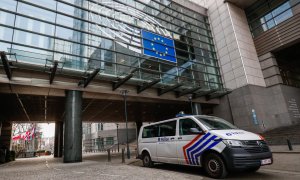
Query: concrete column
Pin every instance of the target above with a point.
(5, 135)
(58, 139)
(73, 127)
(270, 69)
(197, 108)
(138, 127)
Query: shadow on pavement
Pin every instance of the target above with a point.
(200, 171)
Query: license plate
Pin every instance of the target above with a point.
(266, 161)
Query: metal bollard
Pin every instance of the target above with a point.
(108, 155)
(289, 144)
(123, 155)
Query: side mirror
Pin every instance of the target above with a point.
(195, 131)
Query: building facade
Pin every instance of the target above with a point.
(257, 44)
(85, 35)
(102, 136)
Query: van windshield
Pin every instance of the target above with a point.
(215, 123)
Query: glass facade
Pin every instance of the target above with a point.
(265, 14)
(87, 34)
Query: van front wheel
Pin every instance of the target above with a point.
(215, 166)
(147, 162)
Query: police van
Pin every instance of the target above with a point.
(206, 141)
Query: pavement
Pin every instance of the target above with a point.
(95, 166)
(285, 149)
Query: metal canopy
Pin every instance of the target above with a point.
(147, 85)
(6, 64)
(53, 71)
(189, 91)
(218, 94)
(85, 82)
(171, 88)
(120, 82)
(204, 93)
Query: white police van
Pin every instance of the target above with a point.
(205, 141)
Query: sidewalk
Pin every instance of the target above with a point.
(289, 162)
(285, 149)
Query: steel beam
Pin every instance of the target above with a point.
(216, 95)
(171, 88)
(53, 71)
(120, 82)
(6, 65)
(89, 78)
(204, 93)
(189, 91)
(147, 85)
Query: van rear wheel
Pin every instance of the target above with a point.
(215, 166)
(147, 162)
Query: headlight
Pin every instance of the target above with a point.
(233, 143)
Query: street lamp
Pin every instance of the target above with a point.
(118, 136)
(124, 93)
(190, 97)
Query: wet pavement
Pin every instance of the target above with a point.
(95, 166)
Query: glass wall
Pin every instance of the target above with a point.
(87, 34)
(265, 14)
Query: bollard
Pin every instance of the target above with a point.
(108, 155)
(289, 144)
(123, 155)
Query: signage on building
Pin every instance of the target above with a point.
(155, 42)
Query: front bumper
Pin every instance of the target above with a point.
(240, 158)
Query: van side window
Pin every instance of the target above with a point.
(150, 131)
(167, 129)
(185, 125)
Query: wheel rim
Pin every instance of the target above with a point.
(213, 165)
(146, 160)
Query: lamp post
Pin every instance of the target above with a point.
(118, 136)
(124, 93)
(190, 97)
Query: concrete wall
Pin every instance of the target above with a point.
(234, 45)
(223, 110)
(274, 107)
(270, 69)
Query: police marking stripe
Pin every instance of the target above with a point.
(197, 146)
(197, 155)
(187, 145)
(189, 149)
(201, 147)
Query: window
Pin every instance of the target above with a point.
(215, 123)
(167, 129)
(150, 131)
(109, 140)
(185, 125)
(100, 127)
(267, 15)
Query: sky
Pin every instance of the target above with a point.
(48, 129)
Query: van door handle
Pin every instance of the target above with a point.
(172, 138)
(179, 137)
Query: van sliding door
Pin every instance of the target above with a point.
(166, 142)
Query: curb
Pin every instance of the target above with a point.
(286, 152)
(131, 162)
(6, 164)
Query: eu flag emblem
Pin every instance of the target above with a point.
(158, 46)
